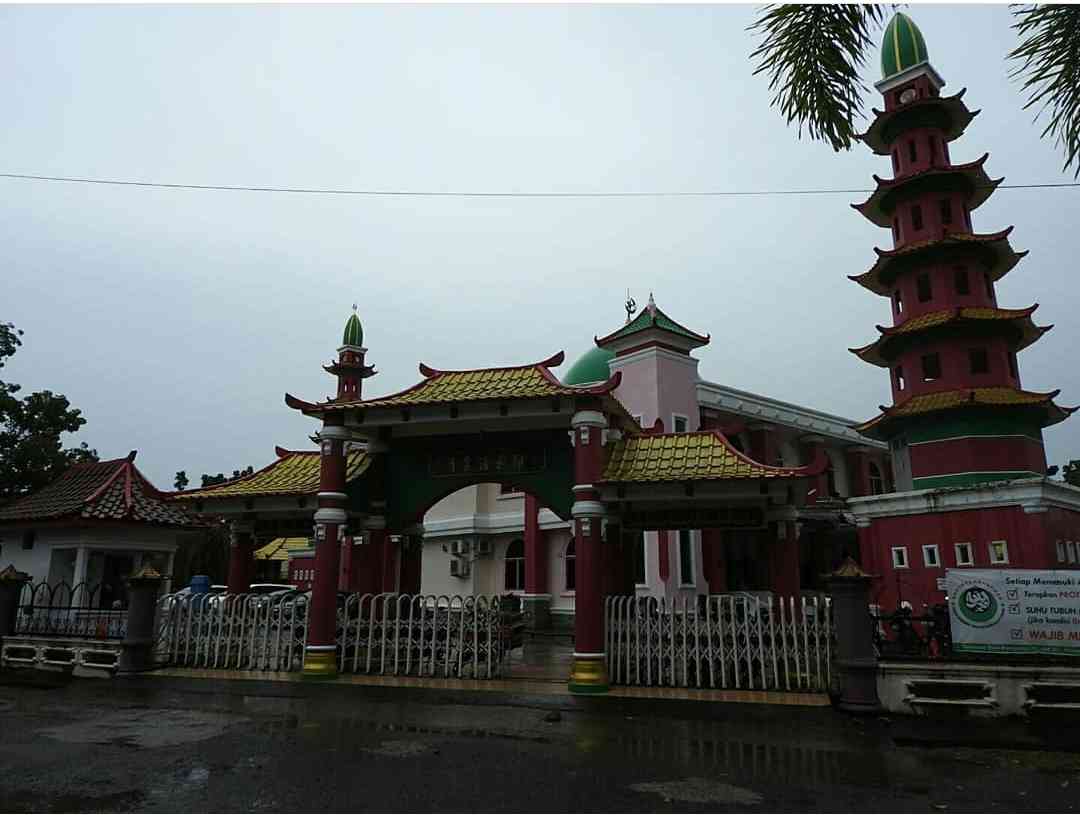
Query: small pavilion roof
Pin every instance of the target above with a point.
(534, 381)
(294, 472)
(996, 397)
(704, 455)
(279, 548)
(993, 250)
(112, 490)
(1019, 320)
(948, 114)
(652, 317)
(879, 206)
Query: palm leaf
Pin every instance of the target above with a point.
(812, 56)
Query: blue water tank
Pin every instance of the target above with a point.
(200, 584)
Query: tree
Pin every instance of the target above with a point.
(812, 56)
(181, 480)
(221, 478)
(1071, 472)
(31, 452)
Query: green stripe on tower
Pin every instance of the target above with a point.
(935, 482)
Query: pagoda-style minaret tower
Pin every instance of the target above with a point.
(959, 415)
(350, 369)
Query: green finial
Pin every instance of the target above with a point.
(354, 332)
(902, 47)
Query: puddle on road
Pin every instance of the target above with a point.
(699, 791)
(145, 728)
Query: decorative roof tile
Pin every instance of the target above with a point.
(103, 490)
(653, 317)
(701, 456)
(280, 548)
(992, 251)
(948, 114)
(294, 473)
(964, 398)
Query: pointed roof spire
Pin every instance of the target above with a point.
(651, 307)
(354, 332)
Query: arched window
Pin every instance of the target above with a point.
(571, 577)
(877, 483)
(515, 566)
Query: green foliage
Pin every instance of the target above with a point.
(181, 480)
(1071, 472)
(1049, 63)
(221, 478)
(812, 55)
(31, 452)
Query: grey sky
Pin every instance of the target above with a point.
(176, 320)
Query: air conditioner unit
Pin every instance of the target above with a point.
(483, 548)
(459, 568)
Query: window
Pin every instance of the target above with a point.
(980, 362)
(931, 367)
(896, 229)
(899, 557)
(28, 539)
(960, 278)
(916, 217)
(877, 483)
(1012, 365)
(999, 552)
(515, 566)
(1070, 549)
(895, 163)
(967, 217)
(686, 558)
(922, 287)
(898, 301)
(946, 211)
(1061, 551)
(639, 560)
(678, 423)
(913, 153)
(571, 577)
(963, 555)
(899, 377)
(930, 557)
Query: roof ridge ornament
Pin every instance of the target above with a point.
(651, 306)
(631, 307)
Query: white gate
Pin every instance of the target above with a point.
(400, 634)
(720, 641)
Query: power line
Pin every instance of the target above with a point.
(482, 194)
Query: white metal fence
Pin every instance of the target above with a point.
(720, 641)
(411, 635)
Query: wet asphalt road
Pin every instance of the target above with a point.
(169, 745)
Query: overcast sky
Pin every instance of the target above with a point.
(176, 320)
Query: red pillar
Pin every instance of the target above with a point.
(536, 603)
(784, 560)
(240, 563)
(588, 674)
(365, 567)
(411, 563)
(388, 564)
(346, 565)
(713, 563)
(320, 655)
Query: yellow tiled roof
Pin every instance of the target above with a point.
(279, 548)
(464, 386)
(704, 455)
(991, 397)
(294, 473)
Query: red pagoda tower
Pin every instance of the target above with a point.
(960, 423)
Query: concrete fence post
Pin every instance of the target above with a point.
(11, 587)
(855, 658)
(138, 644)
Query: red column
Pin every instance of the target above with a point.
(320, 655)
(663, 556)
(713, 563)
(784, 560)
(346, 565)
(388, 564)
(366, 563)
(240, 566)
(820, 483)
(588, 674)
(536, 577)
(411, 563)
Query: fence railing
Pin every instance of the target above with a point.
(901, 634)
(62, 610)
(409, 635)
(721, 641)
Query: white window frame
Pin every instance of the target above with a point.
(1059, 546)
(958, 548)
(565, 591)
(644, 562)
(994, 561)
(896, 562)
(1070, 550)
(931, 547)
(693, 559)
(686, 419)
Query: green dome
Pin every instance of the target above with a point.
(354, 333)
(903, 46)
(592, 366)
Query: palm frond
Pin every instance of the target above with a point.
(812, 55)
(1049, 63)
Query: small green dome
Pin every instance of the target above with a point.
(354, 333)
(902, 47)
(592, 366)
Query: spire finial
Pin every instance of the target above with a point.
(354, 308)
(631, 306)
(651, 307)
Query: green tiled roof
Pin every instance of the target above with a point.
(354, 332)
(652, 317)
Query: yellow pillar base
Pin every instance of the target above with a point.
(588, 674)
(320, 664)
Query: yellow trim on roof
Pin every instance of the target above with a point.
(704, 455)
(464, 386)
(279, 548)
(293, 474)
